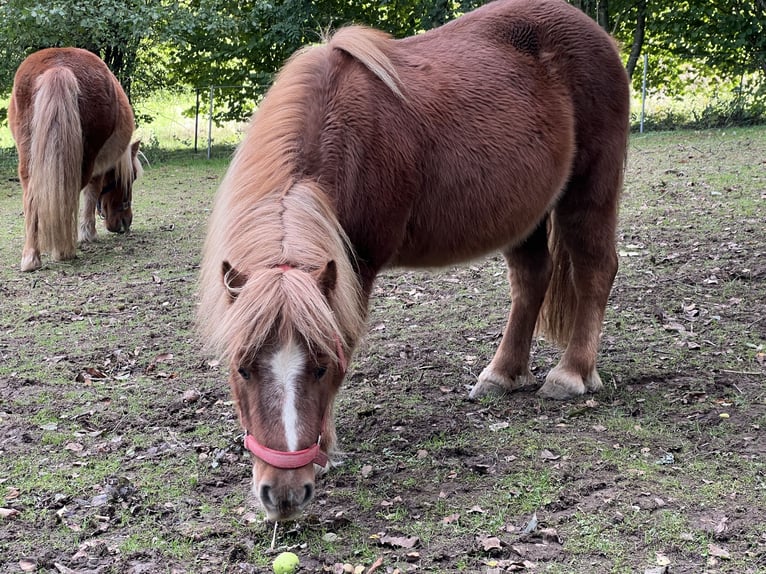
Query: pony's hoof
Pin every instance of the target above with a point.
(562, 385)
(30, 263)
(593, 382)
(491, 383)
(86, 236)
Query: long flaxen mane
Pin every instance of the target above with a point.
(267, 215)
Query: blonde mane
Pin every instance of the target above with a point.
(264, 216)
(126, 171)
(369, 47)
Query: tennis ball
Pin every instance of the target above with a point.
(286, 563)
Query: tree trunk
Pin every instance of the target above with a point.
(603, 14)
(638, 38)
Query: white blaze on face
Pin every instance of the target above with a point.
(286, 366)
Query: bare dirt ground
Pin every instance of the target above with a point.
(120, 451)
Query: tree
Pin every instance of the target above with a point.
(116, 30)
(243, 42)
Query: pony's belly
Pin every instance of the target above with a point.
(457, 239)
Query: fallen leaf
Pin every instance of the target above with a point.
(489, 543)
(9, 513)
(27, 566)
(662, 560)
(191, 396)
(375, 565)
(548, 455)
(452, 518)
(720, 528)
(718, 551)
(90, 373)
(400, 541)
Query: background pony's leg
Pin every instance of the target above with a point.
(529, 271)
(87, 226)
(585, 259)
(30, 255)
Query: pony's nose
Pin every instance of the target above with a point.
(285, 503)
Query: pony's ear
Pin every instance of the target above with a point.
(327, 278)
(233, 280)
(134, 148)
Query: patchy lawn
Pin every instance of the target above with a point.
(120, 451)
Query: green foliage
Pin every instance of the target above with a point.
(242, 43)
(116, 30)
(239, 44)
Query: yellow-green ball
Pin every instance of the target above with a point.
(286, 563)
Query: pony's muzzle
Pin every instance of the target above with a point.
(285, 497)
(120, 224)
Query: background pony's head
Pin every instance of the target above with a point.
(116, 196)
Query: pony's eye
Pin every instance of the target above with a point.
(319, 372)
(244, 373)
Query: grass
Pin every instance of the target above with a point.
(693, 208)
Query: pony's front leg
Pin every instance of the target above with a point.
(87, 229)
(529, 271)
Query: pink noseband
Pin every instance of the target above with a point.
(289, 460)
(286, 460)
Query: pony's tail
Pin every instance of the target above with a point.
(55, 164)
(557, 315)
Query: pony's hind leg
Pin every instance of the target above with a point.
(86, 231)
(529, 271)
(30, 255)
(586, 232)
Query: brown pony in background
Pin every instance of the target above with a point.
(72, 124)
(505, 129)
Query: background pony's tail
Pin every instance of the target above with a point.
(557, 315)
(55, 163)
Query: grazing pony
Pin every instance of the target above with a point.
(505, 129)
(72, 124)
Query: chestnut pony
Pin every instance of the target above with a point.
(505, 129)
(72, 124)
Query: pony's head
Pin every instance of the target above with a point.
(286, 367)
(116, 196)
(281, 301)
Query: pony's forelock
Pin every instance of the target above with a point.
(279, 305)
(263, 218)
